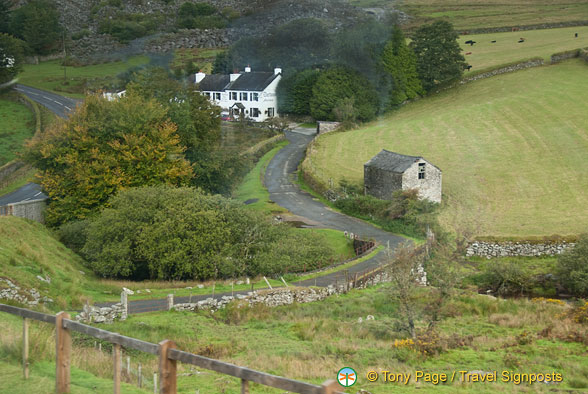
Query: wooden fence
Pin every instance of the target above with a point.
(165, 350)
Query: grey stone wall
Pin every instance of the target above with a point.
(503, 70)
(559, 57)
(326, 127)
(32, 210)
(30, 297)
(504, 249)
(380, 183)
(539, 26)
(430, 187)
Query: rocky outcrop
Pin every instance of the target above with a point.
(191, 38)
(504, 249)
(30, 297)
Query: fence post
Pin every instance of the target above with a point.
(155, 383)
(244, 386)
(25, 347)
(170, 301)
(117, 361)
(329, 387)
(167, 369)
(140, 376)
(62, 354)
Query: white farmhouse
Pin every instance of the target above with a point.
(249, 94)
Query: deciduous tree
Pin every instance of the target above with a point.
(105, 147)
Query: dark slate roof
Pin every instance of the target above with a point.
(252, 81)
(214, 83)
(392, 161)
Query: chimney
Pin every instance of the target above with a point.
(199, 77)
(247, 69)
(277, 70)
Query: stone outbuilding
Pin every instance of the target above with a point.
(388, 172)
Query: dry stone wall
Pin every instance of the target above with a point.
(503, 70)
(30, 297)
(527, 249)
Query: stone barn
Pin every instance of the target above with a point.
(388, 172)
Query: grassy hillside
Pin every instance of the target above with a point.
(28, 250)
(492, 13)
(313, 341)
(512, 149)
(507, 49)
(17, 123)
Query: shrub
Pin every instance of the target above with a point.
(80, 34)
(573, 267)
(127, 27)
(167, 233)
(506, 278)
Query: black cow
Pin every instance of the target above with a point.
(470, 42)
(493, 42)
(468, 67)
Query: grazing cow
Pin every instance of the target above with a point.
(468, 41)
(468, 67)
(468, 53)
(515, 29)
(576, 35)
(493, 42)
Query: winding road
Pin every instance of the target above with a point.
(279, 180)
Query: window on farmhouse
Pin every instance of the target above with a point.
(254, 96)
(254, 112)
(217, 96)
(421, 170)
(234, 96)
(207, 94)
(270, 112)
(243, 96)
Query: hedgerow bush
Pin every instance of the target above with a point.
(404, 213)
(573, 267)
(182, 233)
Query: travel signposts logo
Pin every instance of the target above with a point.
(346, 377)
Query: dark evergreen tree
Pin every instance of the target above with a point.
(37, 23)
(439, 58)
(400, 62)
(333, 89)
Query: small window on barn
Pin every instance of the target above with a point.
(421, 170)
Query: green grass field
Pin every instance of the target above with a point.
(50, 75)
(507, 49)
(492, 13)
(311, 342)
(512, 149)
(17, 123)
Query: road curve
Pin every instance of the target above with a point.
(279, 180)
(56, 103)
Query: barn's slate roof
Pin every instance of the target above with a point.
(214, 83)
(252, 81)
(392, 161)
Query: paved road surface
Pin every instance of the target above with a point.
(29, 192)
(279, 178)
(57, 104)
